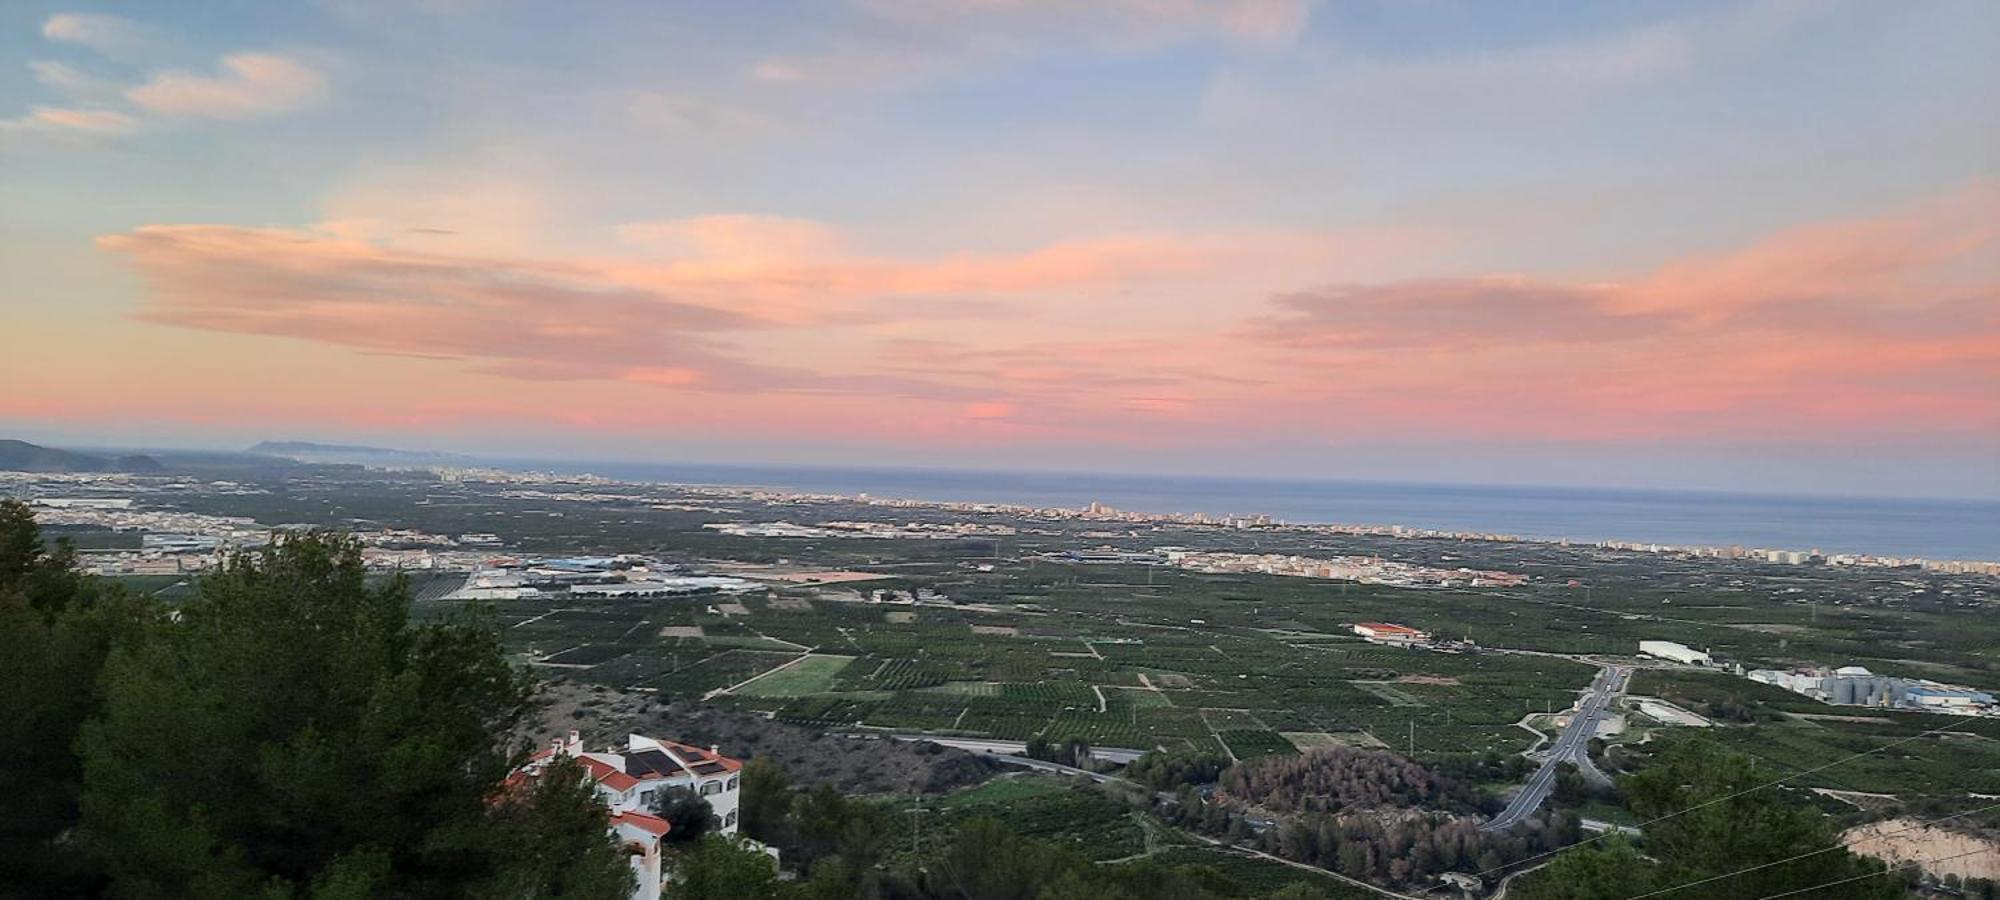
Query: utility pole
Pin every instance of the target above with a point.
(1413, 739)
(916, 828)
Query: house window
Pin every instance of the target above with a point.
(646, 797)
(729, 821)
(732, 782)
(712, 787)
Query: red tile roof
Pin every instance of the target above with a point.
(605, 774)
(651, 824)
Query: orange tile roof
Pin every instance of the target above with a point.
(604, 774)
(647, 823)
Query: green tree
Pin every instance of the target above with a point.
(725, 868)
(1613, 869)
(56, 629)
(767, 798)
(988, 861)
(291, 732)
(824, 823)
(556, 841)
(688, 815)
(1738, 825)
(1164, 770)
(1715, 818)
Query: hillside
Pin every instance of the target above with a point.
(308, 451)
(21, 456)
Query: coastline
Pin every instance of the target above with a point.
(1094, 511)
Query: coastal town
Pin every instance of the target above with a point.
(185, 540)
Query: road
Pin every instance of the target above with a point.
(1572, 746)
(997, 747)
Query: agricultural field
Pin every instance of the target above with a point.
(812, 674)
(1012, 644)
(1028, 652)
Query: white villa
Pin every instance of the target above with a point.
(630, 780)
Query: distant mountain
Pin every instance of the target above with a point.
(21, 456)
(308, 451)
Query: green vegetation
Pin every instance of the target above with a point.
(56, 629)
(1706, 820)
(1164, 771)
(1025, 836)
(1074, 655)
(286, 731)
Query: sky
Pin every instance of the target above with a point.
(1739, 246)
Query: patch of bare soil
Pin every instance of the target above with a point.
(852, 765)
(1898, 840)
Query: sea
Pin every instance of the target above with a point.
(1930, 528)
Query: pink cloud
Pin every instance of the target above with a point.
(56, 119)
(597, 318)
(98, 31)
(248, 85)
(1884, 326)
(1871, 329)
(1453, 312)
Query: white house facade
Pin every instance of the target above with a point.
(633, 779)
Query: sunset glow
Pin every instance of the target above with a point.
(1239, 237)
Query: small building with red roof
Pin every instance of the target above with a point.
(1389, 633)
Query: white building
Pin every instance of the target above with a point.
(1680, 653)
(1811, 684)
(1394, 635)
(632, 780)
(1941, 696)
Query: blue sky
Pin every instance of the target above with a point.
(1657, 244)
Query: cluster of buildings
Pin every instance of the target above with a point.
(1812, 557)
(174, 542)
(937, 531)
(1846, 685)
(1100, 512)
(1362, 569)
(591, 577)
(1856, 686)
(633, 781)
(170, 542)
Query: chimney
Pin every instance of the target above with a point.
(715, 749)
(575, 744)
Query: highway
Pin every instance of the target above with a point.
(1572, 746)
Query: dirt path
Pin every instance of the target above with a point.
(1304, 867)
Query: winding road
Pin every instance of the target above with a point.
(1572, 746)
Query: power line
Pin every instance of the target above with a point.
(1780, 862)
(1901, 865)
(1724, 799)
